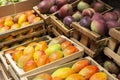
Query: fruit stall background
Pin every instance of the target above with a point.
(56, 36)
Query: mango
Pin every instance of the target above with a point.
(99, 76)
(63, 72)
(16, 55)
(8, 23)
(88, 12)
(88, 71)
(111, 67)
(99, 26)
(82, 5)
(22, 19)
(29, 50)
(65, 44)
(98, 6)
(75, 77)
(56, 78)
(43, 76)
(52, 49)
(80, 65)
(56, 55)
(23, 59)
(42, 45)
(29, 65)
(69, 50)
(77, 16)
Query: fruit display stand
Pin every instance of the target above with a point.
(113, 48)
(92, 62)
(67, 30)
(20, 73)
(91, 41)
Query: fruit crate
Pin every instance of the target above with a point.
(113, 48)
(67, 31)
(46, 15)
(43, 16)
(91, 41)
(4, 75)
(51, 70)
(54, 31)
(5, 62)
(12, 67)
(27, 31)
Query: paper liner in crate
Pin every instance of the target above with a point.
(21, 73)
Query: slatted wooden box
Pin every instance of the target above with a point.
(14, 69)
(28, 31)
(51, 70)
(67, 31)
(46, 17)
(113, 48)
(92, 42)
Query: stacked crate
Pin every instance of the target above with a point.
(113, 48)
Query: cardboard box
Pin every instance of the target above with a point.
(25, 5)
(7, 10)
(17, 7)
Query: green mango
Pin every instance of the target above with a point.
(51, 49)
(63, 72)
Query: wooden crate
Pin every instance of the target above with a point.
(51, 70)
(91, 41)
(5, 62)
(46, 16)
(43, 16)
(4, 75)
(113, 48)
(53, 30)
(65, 29)
(28, 31)
(20, 73)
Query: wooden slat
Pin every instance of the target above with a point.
(21, 30)
(21, 38)
(60, 25)
(76, 34)
(112, 44)
(43, 16)
(115, 33)
(112, 55)
(93, 45)
(87, 32)
(84, 40)
(87, 50)
(118, 52)
(56, 33)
